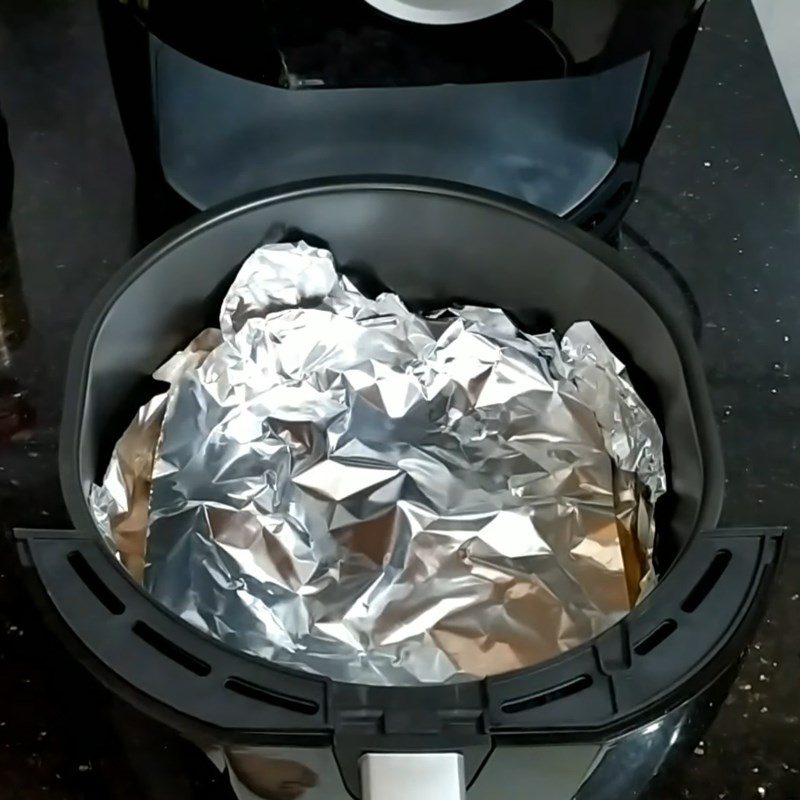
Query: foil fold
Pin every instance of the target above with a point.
(340, 485)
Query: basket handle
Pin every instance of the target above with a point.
(422, 776)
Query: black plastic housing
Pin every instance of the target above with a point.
(432, 244)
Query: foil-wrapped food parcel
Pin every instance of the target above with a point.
(340, 485)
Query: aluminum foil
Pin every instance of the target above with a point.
(340, 485)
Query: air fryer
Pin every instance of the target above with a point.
(599, 721)
(554, 102)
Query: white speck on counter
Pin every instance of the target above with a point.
(773, 391)
(698, 751)
(762, 792)
(84, 767)
(706, 164)
(785, 338)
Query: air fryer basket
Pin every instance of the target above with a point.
(431, 244)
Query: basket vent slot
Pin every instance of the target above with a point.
(559, 692)
(707, 582)
(255, 692)
(94, 583)
(656, 637)
(171, 650)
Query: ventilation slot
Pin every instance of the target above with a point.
(254, 692)
(94, 583)
(709, 580)
(566, 689)
(170, 649)
(655, 637)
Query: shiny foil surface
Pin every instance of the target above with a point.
(339, 485)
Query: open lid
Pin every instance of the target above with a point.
(443, 12)
(370, 43)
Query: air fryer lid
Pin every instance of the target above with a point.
(431, 244)
(504, 40)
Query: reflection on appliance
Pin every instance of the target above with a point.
(592, 770)
(271, 778)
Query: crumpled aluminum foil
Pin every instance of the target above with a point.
(339, 485)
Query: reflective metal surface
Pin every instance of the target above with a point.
(344, 486)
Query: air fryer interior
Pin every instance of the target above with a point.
(431, 247)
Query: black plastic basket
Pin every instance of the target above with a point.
(431, 244)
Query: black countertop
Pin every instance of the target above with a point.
(719, 204)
